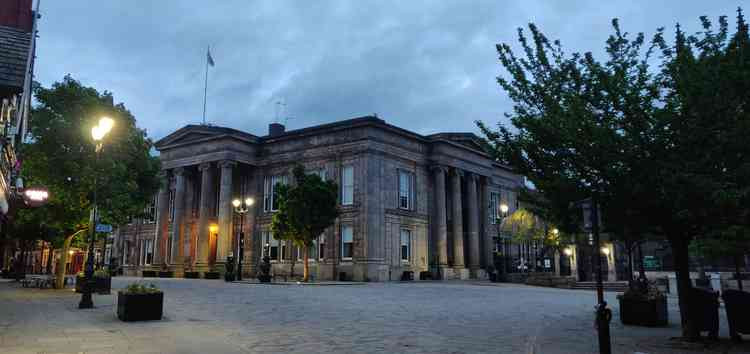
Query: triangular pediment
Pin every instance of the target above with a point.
(198, 133)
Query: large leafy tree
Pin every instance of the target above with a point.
(61, 157)
(661, 148)
(306, 209)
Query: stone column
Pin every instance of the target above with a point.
(441, 224)
(178, 219)
(162, 222)
(574, 262)
(458, 228)
(223, 242)
(611, 267)
(204, 213)
(473, 221)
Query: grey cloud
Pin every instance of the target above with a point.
(427, 66)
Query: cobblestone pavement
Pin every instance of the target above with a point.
(210, 316)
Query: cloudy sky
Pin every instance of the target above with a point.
(425, 66)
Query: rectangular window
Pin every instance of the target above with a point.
(347, 185)
(494, 211)
(272, 250)
(322, 247)
(405, 245)
(270, 193)
(347, 241)
(283, 250)
(149, 251)
(150, 212)
(320, 172)
(405, 190)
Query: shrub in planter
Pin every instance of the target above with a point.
(192, 275)
(166, 274)
(148, 274)
(643, 305)
(407, 275)
(737, 306)
(425, 276)
(705, 306)
(140, 303)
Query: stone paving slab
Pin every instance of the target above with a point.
(207, 316)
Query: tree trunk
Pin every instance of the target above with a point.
(629, 245)
(306, 267)
(684, 286)
(50, 258)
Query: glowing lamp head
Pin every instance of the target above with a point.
(504, 208)
(568, 252)
(555, 231)
(605, 250)
(103, 128)
(236, 203)
(249, 201)
(213, 228)
(71, 252)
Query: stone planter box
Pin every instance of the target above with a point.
(140, 307)
(641, 312)
(264, 278)
(148, 274)
(212, 275)
(167, 274)
(705, 306)
(192, 275)
(425, 276)
(101, 285)
(407, 275)
(737, 306)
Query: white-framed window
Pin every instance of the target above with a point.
(322, 246)
(270, 185)
(405, 245)
(347, 241)
(272, 251)
(321, 172)
(347, 185)
(147, 251)
(494, 211)
(405, 190)
(284, 249)
(150, 212)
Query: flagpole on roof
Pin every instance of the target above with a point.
(205, 86)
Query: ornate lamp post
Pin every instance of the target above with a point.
(241, 209)
(97, 133)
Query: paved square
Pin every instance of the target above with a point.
(211, 316)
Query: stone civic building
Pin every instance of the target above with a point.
(408, 202)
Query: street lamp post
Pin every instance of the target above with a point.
(503, 214)
(97, 133)
(241, 209)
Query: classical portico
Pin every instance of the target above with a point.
(409, 203)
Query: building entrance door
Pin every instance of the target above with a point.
(212, 248)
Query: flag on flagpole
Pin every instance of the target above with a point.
(209, 58)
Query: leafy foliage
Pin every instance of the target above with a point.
(662, 148)
(306, 209)
(138, 289)
(61, 157)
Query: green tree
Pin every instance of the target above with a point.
(306, 209)
(662, 149)
(60, 156)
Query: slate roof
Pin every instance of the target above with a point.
(14, 50)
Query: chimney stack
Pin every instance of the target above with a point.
(16, 14)
(276, 129)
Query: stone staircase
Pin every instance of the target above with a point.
(618, 286)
